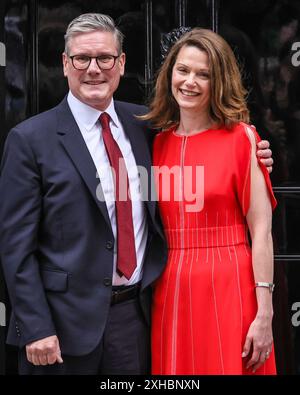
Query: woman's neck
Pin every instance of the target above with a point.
(191, 124)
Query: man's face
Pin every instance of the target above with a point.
(93, 86)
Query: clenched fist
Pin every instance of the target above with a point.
(44, 352)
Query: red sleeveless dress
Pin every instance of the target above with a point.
(205, 301)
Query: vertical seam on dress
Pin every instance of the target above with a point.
(248, 172)
(222, 227)
(190, 286)
(245, 235)
(162, 318)
(236, 231)
(169, 232)
(232, 236)
(176, 293)
(239, 287)
(217, 227)
(238, 272)
(206, 232)
(191, 309)
(187, 232)
(174, 231)
(197, 257)
(227, 235)
(216, 313)
(202, 237)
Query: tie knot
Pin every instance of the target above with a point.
(104, 120)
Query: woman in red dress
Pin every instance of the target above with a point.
(212, 306)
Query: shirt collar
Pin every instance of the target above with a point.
(87, 116)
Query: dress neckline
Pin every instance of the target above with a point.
(190, 135)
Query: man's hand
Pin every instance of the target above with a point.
(265, 154)
(44, 352)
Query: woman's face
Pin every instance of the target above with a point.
(191, 80)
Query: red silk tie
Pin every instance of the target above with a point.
(126, 256)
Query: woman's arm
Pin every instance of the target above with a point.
(259, 219)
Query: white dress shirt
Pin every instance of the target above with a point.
(87, 119)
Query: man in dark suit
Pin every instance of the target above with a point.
(73, 311)
(76, 308)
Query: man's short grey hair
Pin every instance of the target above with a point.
(90, 22)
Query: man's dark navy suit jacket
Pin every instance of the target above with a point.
(56, 240)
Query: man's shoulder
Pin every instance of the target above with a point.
(135, 109)
(42, 121)
(43, 117)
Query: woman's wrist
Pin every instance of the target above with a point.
(266, 285)
(265, 313)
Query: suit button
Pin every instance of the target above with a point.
(109, 245)
(107, 282)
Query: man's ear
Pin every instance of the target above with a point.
(122, 61)
(65, 63)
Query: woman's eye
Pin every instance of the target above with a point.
(203, 75)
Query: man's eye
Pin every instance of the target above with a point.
(82, 58)
(104, 59)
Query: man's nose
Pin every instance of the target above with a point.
(93, 67)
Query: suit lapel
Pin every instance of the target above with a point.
(74, 144)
